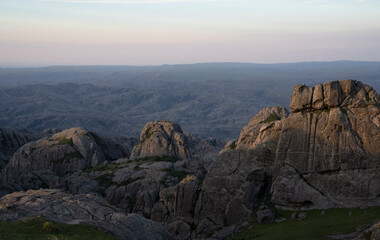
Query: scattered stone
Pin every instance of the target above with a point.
(302, 215)
(278, 220)
(244, 224)
(265, 216)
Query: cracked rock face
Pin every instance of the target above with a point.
(264, 126)
(43, 163)
(162, 138)
(90, 209)
(332, 149)
(345, 93)
(10, 141)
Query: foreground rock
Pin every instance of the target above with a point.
(75, 209)
(161, 138)
(46, 162)
(328, 154)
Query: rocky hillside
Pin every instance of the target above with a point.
(324, 154)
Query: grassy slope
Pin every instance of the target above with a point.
(315, 226)
(32, 229)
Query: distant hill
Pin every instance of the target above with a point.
(209, 99)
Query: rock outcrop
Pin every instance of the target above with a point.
(240, 175)
(264, 126)
(45, 162)
(344, 94)
(328, 152)
(58, 206)
(161, 138)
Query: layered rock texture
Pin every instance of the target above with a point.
(161, 138)
(46, 162)
(91, 209)
(328, 152)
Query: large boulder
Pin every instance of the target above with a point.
(91, 209)
(162, 138)
(328, 155)
(46, 162)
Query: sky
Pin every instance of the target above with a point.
(155, 32)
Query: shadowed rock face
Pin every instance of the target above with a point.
(75, 209)
(10, 141)
(44, 163)
(161, 138)
(240, 175)
(333, 148)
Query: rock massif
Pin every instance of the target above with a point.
(328, 152)
(323, 154)
(91, 209)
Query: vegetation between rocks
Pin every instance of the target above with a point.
(273, 117)
(317, 225)
(40, 229)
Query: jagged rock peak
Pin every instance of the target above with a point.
(344, 93)
(162, 138)
(262, 127)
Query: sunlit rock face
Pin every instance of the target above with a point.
(328, 152)
(162, 138)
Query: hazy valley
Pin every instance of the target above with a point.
(207, 100)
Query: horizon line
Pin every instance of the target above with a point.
(176, 64)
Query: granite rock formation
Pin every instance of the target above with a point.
(328, 152)
(46, 162)
(58, 206)
(161, 138)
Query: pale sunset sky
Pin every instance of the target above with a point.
(154, 32)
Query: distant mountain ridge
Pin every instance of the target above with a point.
(209, 99)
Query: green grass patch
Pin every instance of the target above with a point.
(147, 135)
(106, 167)
(64, 141)
(105, 180)
(41, 229)
(273, 117)
(314, 226)
(152, 159)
